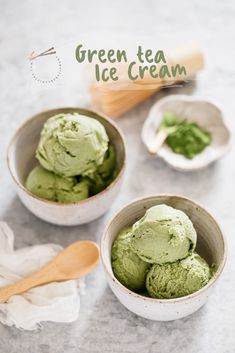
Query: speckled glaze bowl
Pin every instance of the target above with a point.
(210, 244)
(21, 159)
(205, 114)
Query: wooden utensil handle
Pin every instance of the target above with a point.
(157, 142)
(42, 277)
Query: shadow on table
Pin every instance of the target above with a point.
(30, 230)
(112, 328)
(156, 177)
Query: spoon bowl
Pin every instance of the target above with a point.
(76, 260)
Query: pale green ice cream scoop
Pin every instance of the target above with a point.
(72, 144)
(174, 280)
(128, 268)
(52, 187)
(163, 234)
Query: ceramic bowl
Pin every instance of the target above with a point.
(21, 160)
(204, 113)
(210, 244)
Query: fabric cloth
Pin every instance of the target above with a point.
(58, 302)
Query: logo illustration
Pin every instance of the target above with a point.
(45, 71)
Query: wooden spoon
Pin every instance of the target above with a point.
(75, 261)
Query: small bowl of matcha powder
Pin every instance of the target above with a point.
(187, 132)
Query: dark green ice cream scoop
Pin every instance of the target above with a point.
(177, 279)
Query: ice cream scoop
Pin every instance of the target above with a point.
(163, 234)
(173, 280)
(129, 269)
(52, 187)
(72, 144)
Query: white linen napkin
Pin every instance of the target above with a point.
(58, 302)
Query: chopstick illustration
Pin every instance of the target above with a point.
(50, 51)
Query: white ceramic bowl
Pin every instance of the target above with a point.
(21, 159)
(205, 113)
(210, 244)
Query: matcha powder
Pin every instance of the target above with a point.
(184, 137)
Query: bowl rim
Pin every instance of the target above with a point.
(185, 298)
(63, 109)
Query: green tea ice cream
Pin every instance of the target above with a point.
(163, 234)
(155, 257)
(76, 159)
(105, 172)
(52, 187)
(177, 279)
(72, 144)
(129, 269)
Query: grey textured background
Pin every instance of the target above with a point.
(104, 324)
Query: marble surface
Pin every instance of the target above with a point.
(104, 324)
